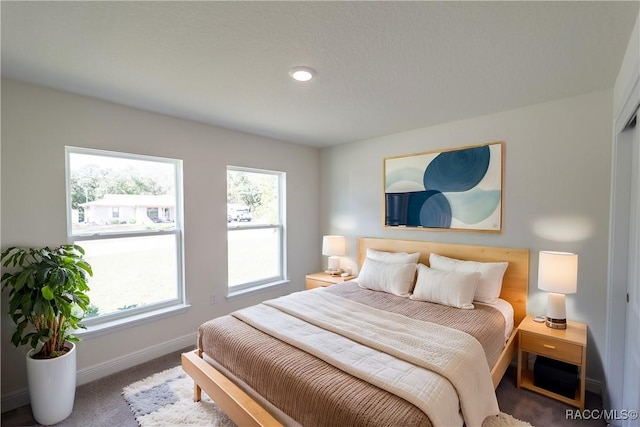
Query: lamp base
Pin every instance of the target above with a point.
(334, 263)
(555, 323)
(337, 272)
(556, 317)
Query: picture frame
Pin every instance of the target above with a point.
(457, 189)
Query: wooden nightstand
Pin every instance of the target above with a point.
(566, 345)
(323, 279)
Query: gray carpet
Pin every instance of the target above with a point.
(100, 403)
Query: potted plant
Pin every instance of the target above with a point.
(47, 300)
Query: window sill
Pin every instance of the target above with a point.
(235, 294)
(131, 321)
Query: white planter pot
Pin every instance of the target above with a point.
(52, 386)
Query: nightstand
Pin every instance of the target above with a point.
(565, 345)
(322, 279)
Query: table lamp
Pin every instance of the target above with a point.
(334, 247)
(557, 274)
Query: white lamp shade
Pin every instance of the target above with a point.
(558, 272)
(334, 245)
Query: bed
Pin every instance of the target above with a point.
(238, 395)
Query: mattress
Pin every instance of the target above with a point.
(308, 391)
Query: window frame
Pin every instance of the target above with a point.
(280, 226)
(137, 314)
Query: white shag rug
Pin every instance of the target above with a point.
(166, 399)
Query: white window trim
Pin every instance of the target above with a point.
(116, 321)
(234, 291)
(113, 325)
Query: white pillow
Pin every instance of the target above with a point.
(393, 257)
(393, 278)
(491, 274)
(445, 287)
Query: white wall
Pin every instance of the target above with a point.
(556, 193)
(36, 125)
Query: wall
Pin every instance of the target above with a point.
(36, 125)
(556, 193)
(628, 70)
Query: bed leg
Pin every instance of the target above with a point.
(197, 393)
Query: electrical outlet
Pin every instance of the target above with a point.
(213, 299)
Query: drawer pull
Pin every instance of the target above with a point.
(552, 347)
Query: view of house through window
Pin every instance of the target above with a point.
(255, 237)
(124, 211)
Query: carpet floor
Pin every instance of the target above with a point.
(101, 404)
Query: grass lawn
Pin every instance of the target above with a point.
(253, 255)
(135, 271)
(131, 271)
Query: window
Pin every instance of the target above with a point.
(255, 222)
(113, 201)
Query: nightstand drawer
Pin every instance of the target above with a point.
(313, 283)
(548, 347)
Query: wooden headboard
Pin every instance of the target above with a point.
(515, 284)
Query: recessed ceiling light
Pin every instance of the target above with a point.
(302, 74)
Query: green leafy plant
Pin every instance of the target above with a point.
(47, 295)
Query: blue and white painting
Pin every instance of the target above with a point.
(455, 189)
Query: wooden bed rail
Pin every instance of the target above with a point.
(237, 404)
(506, 356)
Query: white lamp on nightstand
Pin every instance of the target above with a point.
(334, 247)
(557, 274)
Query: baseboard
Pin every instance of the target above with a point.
(15, 399)
(101, 370)
(594, 386)
(18, 398)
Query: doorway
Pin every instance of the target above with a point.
(623, 326)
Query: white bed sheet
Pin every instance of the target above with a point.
(506, 309)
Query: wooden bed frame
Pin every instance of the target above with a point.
(245, 411)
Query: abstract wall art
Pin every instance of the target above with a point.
(457, 189)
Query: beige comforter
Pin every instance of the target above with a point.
(315, 393)
(436, 368)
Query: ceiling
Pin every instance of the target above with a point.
(382, 67)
